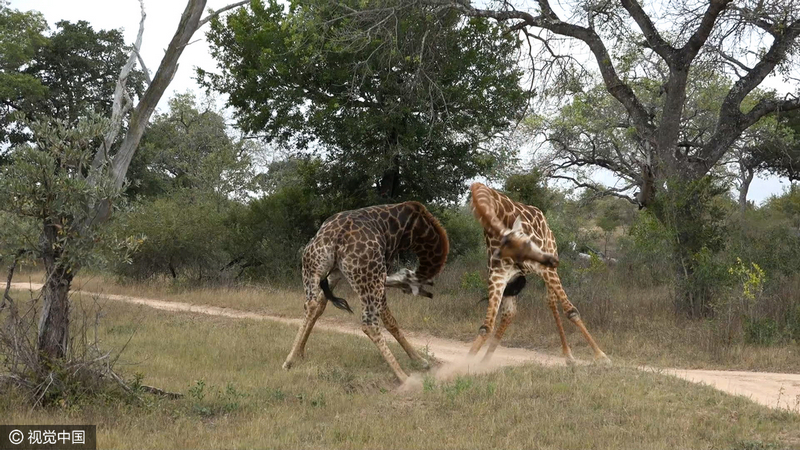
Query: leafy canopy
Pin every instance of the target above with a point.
(189, 147)
(67, 75)
(397, 103)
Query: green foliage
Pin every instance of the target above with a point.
(770, 235)
(270, 232)
(397, 107)
(182, 235)
(693, 214)
(69, 74)
(751, 278)
(779, 153)
(21, 34)
(472, 282)
(51, 184)
(188, 147)
(761, 331)
(75, 51)
(463, 231)
(530, 189)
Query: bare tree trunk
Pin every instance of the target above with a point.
(53, 336)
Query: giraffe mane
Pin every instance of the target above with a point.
(444, 241)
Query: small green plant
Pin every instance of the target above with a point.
(751, 278)
(197, 391)
(460, 385)
(428, 383)
(232, 398)
(472, 281)
(277, 394)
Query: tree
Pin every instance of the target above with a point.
(79, 67)
(681, 44)
(189, 147)
(716, 35)
(397, 110)
(530, 189)
(780, 155)
(69, 180)
(21, 34)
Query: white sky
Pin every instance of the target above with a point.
(162, 19)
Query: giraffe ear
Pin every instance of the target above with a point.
(517, 225)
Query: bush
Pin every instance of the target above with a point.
(463, 231)
(179, 236)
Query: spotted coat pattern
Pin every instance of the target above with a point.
(519, 242)
(357, 246)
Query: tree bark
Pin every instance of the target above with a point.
(53, 335)
(747, 178)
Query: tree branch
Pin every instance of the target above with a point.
(118, 109)
(700, 36)
(601, 191)
(732, 121)
(550, 21)
(212, 14)
(654, 39)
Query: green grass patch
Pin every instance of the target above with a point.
(343, 396)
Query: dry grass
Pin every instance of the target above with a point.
(342, 396)
(634, 326)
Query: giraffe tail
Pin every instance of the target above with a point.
(337, 301)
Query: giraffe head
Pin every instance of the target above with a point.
(407, 281)
(515, 244)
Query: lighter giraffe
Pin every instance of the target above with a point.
(358, 245)
(518, 243)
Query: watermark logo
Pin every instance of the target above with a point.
(16, 437)
(36, 437)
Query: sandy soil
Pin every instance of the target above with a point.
(776, 390)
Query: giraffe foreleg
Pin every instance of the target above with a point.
(508, 309)
(497, 282)
(391, 324)
(551, 302)
(374, 333)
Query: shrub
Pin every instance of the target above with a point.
(179, 236)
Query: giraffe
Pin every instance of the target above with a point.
(518, 243)
(357, 246)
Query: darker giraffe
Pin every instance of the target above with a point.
(519, 242)
(358, 246)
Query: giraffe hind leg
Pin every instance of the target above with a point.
(315, 304)
(508, 309)
(314, 307)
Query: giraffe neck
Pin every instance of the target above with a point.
(428, 240)
(484, 206)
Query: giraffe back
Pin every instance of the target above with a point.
(388, 228)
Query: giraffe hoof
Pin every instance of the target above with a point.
(288, 365)
(571, 361)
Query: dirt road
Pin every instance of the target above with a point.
(776, 390)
